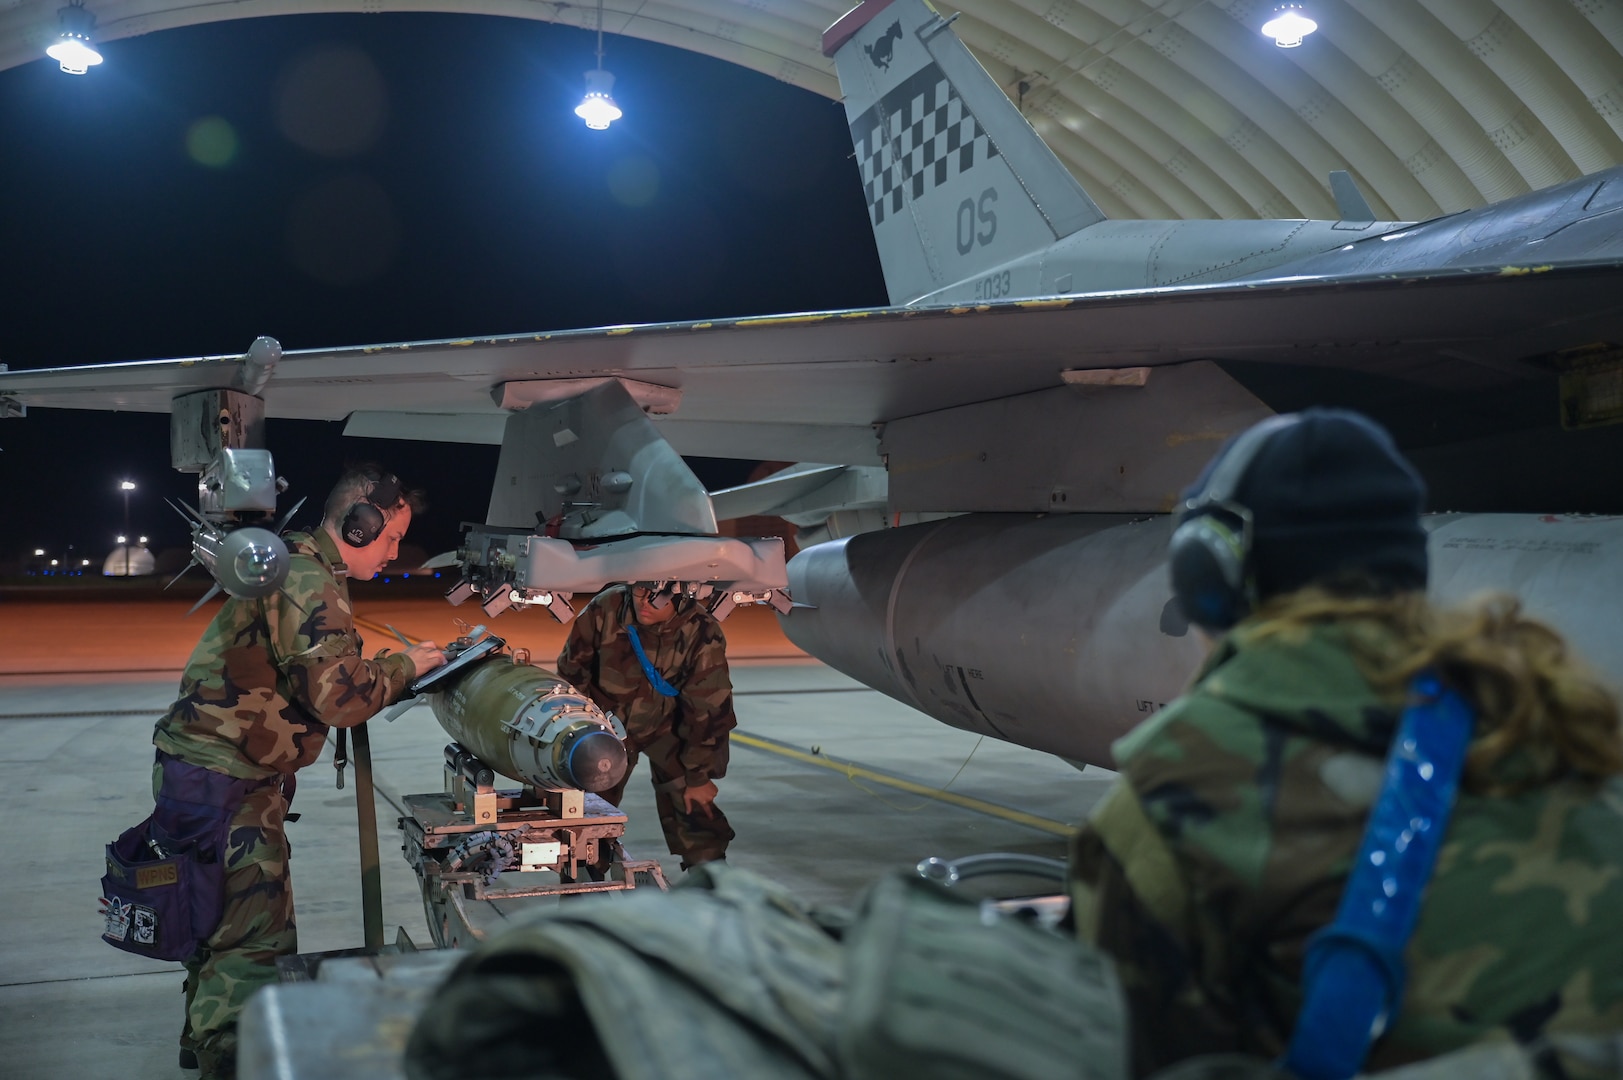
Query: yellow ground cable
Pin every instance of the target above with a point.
(853, 770)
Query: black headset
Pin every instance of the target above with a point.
(1210, 551)
(363, 522)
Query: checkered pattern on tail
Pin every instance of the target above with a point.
(916, 137)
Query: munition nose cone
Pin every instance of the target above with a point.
(596, 762)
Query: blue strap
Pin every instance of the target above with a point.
(654, 677)
(1353, 977)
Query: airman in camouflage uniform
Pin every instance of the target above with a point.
(684, 737)
(1230, 836)
(263, 686)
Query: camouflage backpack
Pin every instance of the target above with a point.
(730, 976)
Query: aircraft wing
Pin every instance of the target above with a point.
(813, 386)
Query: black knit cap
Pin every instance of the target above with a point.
(1330, 496)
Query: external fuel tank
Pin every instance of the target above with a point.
(531, 726)
(1059, 632)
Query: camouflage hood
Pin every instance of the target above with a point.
(1301, 679)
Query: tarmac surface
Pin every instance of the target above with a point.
(831, 785)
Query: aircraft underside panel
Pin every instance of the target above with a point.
(1058, 633)
(1125, 446)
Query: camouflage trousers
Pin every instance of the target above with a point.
(699, 837)
(256, 926)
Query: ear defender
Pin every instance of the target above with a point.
(364, 521)
(1209, 555)
(1209, 558)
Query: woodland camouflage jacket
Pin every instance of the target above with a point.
(270, 676)
(689, 651)
(1230, 834)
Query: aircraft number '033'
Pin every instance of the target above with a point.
(993, 287)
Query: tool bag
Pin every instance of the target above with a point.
(164, 890)
(729, 976)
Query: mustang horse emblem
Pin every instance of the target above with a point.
(881, 51)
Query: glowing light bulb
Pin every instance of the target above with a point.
(597, 108)
(1288, 26)
(72, 49)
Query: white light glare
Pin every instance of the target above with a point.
(123, 539)
(39, 551)
(1288, 26)
(72, 48)
(597, 108)
(85, 562)
(126, 485)
(74, 55)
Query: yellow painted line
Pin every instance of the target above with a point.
(618, 330)
(1043, 305)
(783, 320)
(854, 772)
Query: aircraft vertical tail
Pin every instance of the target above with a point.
(956, 181)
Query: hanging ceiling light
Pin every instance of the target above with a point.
(597, 108)
(1288, 26)
(72, 48)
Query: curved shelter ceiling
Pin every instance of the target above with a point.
(1162, 108)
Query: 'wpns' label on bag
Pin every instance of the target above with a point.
(150, 877)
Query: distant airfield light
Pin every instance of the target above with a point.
(53, 562)
(123, 539)
(72, 48)
(141, 540)
(126, 485)
(1288, 26)
(85, 562)
(39, 551)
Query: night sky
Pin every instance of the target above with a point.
(353, 179)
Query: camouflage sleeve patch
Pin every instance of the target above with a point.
(319, 653)
(705, 708)
(1147, 865)
(1115, 855)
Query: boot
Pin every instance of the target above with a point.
(217, 1056)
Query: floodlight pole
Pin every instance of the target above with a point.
(126, 487)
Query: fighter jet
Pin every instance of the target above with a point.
(990, 460)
